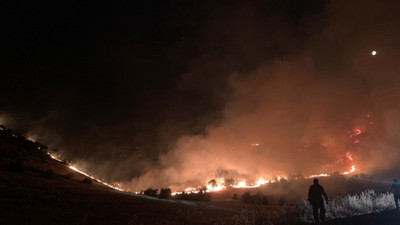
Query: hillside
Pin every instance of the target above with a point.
(36, 189)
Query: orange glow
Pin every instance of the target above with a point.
(352, 170)
(354, 135)
(319, 175)
(98, 180)
(219, 183)
(241, 184)
(192, 190)
(349, 157)
(262, 181)
(355, 132)
(53, 156)
(57, 158)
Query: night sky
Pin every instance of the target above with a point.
(176, 92)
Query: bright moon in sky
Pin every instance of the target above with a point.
(373, 52)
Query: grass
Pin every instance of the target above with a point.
(366, 202)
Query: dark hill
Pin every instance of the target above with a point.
(36, 189)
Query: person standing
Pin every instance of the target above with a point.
(316, 196)
(396, 192)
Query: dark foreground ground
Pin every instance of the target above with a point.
(30, 198)
(382, 218)
(38, 200)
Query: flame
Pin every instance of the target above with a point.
(349, 157)
(57, 158)
(353, 134)
(352, 170)
(262, 181)
(215, 186)
(241, 184)
(318, 175)
(192, 190)
(92, 177)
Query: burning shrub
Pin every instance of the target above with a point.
(165, 193)
(212, 183)
(151, 192)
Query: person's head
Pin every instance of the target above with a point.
(316, 181)
(395, 180)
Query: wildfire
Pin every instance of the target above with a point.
(349, 157)
(218, 186)
(318, 175)
(98, 180)
(215, 185)
(352, 170)
(57, 158)
(354, 135)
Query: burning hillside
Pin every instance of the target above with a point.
(255, 92)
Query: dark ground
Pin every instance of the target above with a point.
(29, 198)
(38, 200)
(382, 218)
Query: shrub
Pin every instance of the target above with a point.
(165, 193)
(151, 192)
(254, 199)
(246, 197)
(201, 196)
(235, 196)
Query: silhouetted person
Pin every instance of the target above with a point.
(315, 194)
(396, 192)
